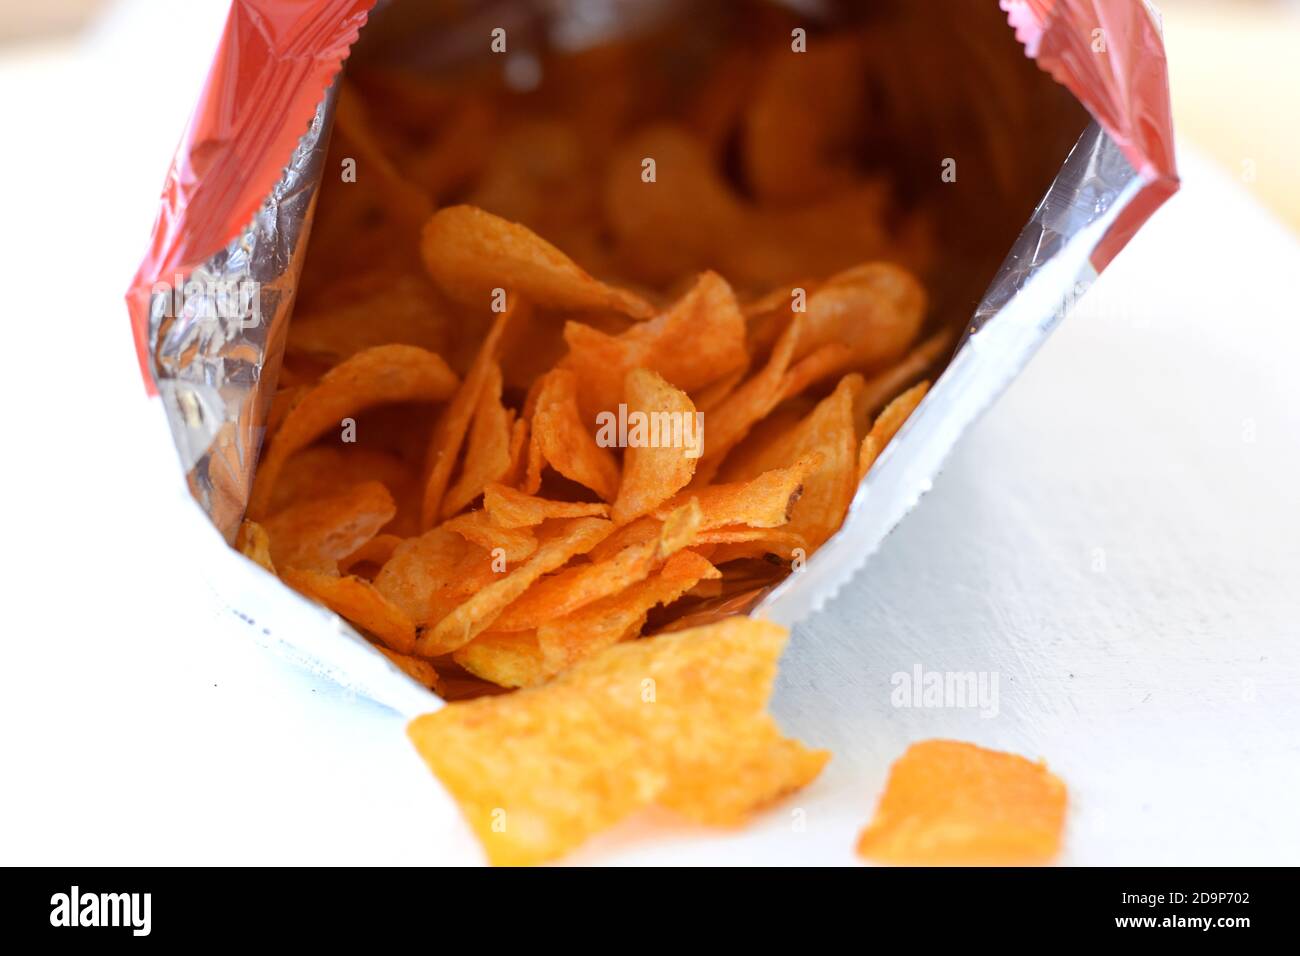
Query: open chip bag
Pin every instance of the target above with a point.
(496, 338)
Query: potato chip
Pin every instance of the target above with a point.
(677, 720)
(449, 432)
(508, 544)
(827, 490)
(487, 453)
(879, 389)
(665, 438)
(470, 253)
(319, 533)
(556, 545)
(564, 641)
(680, 222)
(375, 551)
(254, 543)
(791, 152)
(405, 201)
(874, 310)
(432, 574)
(641, 530)
(764, 502)
(357, 600)
(699, 340)
(377, 376)
(581, 584)
(328, 469)
(405, 309)
(748, 404)
(416, 668)
(518, 453)
(510, 659)
(952, 803)
(283, 402)
(565, 443)
(510, 508)
(887, 425)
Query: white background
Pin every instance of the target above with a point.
(1157, 434)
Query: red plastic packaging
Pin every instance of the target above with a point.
(274, 63)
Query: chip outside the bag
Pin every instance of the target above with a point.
(678, 720)
(950, 803)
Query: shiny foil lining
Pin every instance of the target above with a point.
(216, 349)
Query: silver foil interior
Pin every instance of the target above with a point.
(215, 369)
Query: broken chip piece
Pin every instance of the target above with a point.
(679, 721)
(952, 803)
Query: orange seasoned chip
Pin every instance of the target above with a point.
(449, 432)
(378, 376)
(665, 438)
(763, 502)
(417, 668)
(684, 220)
(556, 545)
(641, 530)
(319, 533)
(565, 443)
(566, 640)
(487, 453)
(470, 253)
(375, 551)
(874, 311)
(887, 425)
(430, 575)
(507, 659)
(357, 600)
(749, 403)
(254, 543)
(772, 540)
(510, 508)
(519, 446)
(952, 803)
(699, 340)
(879, 389)
(327, 469)
(405, 202)
(581, 584)
(677, 720)
(508, 544)
(828, 489)
(791, 152)
(405, 309)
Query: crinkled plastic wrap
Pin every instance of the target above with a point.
(237, 206)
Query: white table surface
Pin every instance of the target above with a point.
(1118, 540)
